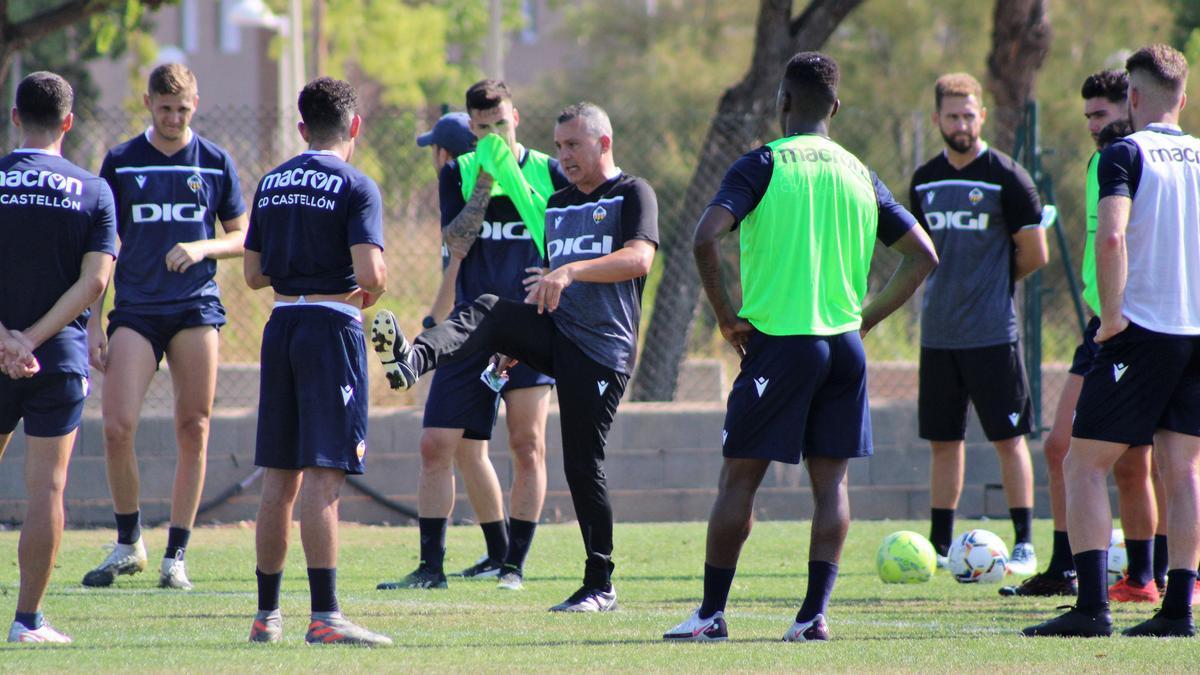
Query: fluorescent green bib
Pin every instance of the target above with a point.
(1091, 293)
(528, 186)
(806, 248)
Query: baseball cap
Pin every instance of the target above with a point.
(452, 132)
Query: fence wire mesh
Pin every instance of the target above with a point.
(665, 152)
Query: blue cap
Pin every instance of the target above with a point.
(452, 132)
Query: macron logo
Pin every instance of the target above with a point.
(557, 220)
(602, 385)
(1014, 418)
(724, 437)
(347, 392)
(929, 199)
(141, 181)
(1119, 371)
(760, 383)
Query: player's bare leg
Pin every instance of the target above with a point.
(831, 522)
(1139, 518)
(946, 473)
(732, 515)
(480, 479)
(45, 480)
(527, 410)
(435, 489)
(272, 530)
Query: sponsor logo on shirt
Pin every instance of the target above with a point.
(300, 177)
(498, 231)
(1174, 155)
(168, 213)
(141, 181)
(584, 245)
(956, 220)
(41, 178)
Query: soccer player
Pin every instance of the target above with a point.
(171, 186)
(56, 251)
(492, 245)
(578, 323)
(315, 237)
(808, 214)
(1143, 384)
(983, 213)
(1104, 109)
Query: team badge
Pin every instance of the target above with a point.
(599, 214)
(361, 450)
(975, 196)
(194, 182)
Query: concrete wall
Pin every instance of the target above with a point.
(663, 461)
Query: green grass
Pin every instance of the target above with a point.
(472, 627)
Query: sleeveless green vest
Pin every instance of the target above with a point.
(527, 186)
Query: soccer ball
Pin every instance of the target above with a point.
(1118, 557)
(905, 558)
(978, 556)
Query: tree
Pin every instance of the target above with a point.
(19, 29)
(744, 114)
(1021, 38)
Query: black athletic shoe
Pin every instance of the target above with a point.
(1160, 626)
(1045, 585)
(589, 600)
(484, 568)
(393, 349)
(420, 578)
(1074, 624)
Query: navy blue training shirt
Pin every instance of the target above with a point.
(51, 214)
(747, 180)
(162, 201)
(497, 261)
(307, 214)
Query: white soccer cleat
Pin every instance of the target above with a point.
(813, 630)
(695, 629)
(173, 573)
(1023, 560)
(267, 627)
(511, 580)
(943, 562)
(122, 559)
(46, 633)
(589, 600)
(331, 628)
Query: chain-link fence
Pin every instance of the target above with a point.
(664, 151)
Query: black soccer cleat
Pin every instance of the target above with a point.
(484, 568)
(419, 578)
(1045, 585)
(394, 350)
(1074, 623)
(1160, 626)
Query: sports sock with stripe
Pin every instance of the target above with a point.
(177, 540)
(520, 538)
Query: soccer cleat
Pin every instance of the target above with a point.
(419, 578)
(1074, 624)
(44, 633)
(484, 568)
(122, 559)
(393, 349)
(1160, 626)
(695, 629)
(267, 627)
(589, 600)
(1045, 585)
(813, 630)
(511, 580)
(173, 573)
(1127, 591)
(943, 562)
(1023, 560)
(331, 628)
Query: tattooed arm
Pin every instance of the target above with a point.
(717, 221)
(462, 232)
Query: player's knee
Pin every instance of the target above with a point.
(528, 453)
(119, 432)
(193, 426)
(1131, 473)
(435, 455)
(1055, 449)
(487, 301)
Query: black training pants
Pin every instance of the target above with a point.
(588, 395)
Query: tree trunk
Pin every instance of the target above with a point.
(744, 115)
(1021, 37)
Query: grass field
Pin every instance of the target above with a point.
(472, 627)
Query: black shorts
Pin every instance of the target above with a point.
(159, 327)
(1085, 353)
(990, 378)
(313, 395)
(458, 399)
(799, 396)
(1141, 381)
(50, 403)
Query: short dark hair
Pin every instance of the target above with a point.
(1164, 63)
(327, 107)
(44, 100)
(594, 118)
(813, 77)
(1115, 130)
(956, 84)
(1109, 84)
(171, 79)
(487, 94)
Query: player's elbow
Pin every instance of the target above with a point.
(644, 261)
(94, 286)
(373, 279)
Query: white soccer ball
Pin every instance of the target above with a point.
(1118, 557)
(978, 557)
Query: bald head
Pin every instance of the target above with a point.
(1157, 84)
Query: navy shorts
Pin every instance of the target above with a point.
(458, 399)
(1141, 381)
(990, 378)
(799, 396)
(1086, 352)
(159, 327)
(50, 403)
(312, 408)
